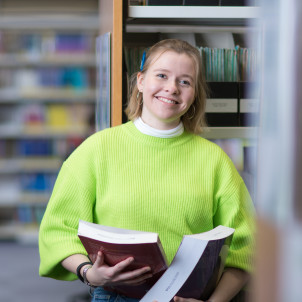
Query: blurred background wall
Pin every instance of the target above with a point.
(47, 101)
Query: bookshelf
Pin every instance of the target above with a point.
(47, 104)
(9, 60)
(46, 20)
(124, 20)
(248, 133)
(201, 14)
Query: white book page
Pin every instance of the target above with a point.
(219, 232)
(180, 269)
(114, 235)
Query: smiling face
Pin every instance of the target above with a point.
(168, 88)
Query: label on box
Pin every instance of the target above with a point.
(221, 105)
(249, 105)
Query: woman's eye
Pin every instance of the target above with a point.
(185, 82)
(162, 76)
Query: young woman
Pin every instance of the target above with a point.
(154, 173)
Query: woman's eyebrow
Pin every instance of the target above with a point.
(161, 70)
(167, 70)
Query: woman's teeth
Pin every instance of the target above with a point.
(166, 100)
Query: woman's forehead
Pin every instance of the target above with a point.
(170, 56)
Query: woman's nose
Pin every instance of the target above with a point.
(172, 86)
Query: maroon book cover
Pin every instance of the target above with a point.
(196, 268)
(119, 244)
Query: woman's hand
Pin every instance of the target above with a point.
(103, 275)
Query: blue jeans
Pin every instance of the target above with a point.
(102, 295)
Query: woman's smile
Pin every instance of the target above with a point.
(166, 100)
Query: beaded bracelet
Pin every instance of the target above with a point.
(79, 269)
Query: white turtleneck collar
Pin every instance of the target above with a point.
(146, 129)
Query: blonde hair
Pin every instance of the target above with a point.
(194, 119)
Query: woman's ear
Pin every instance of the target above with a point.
(140, 81)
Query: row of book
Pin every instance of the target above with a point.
(31, 147)
(24, 185)
(229, 65)
(37, 182)
(27, 188)
(23, 215)
(196, 2)
(46, 43)
(220, 64)
(79, 78)
(39, 147)
(29, 214)
(52, 115)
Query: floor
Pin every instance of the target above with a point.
(20, 281)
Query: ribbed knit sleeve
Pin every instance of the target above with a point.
(73, 198)
(235, 209)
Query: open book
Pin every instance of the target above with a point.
(193, 273)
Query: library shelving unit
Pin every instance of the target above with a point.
(47, 101)
(123, 21)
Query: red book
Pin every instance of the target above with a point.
(119, 244)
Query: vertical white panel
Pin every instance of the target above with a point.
(275, 175)
(277, 160)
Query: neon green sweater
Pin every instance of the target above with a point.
(123, 178)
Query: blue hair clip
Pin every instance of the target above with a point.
(143, 61)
